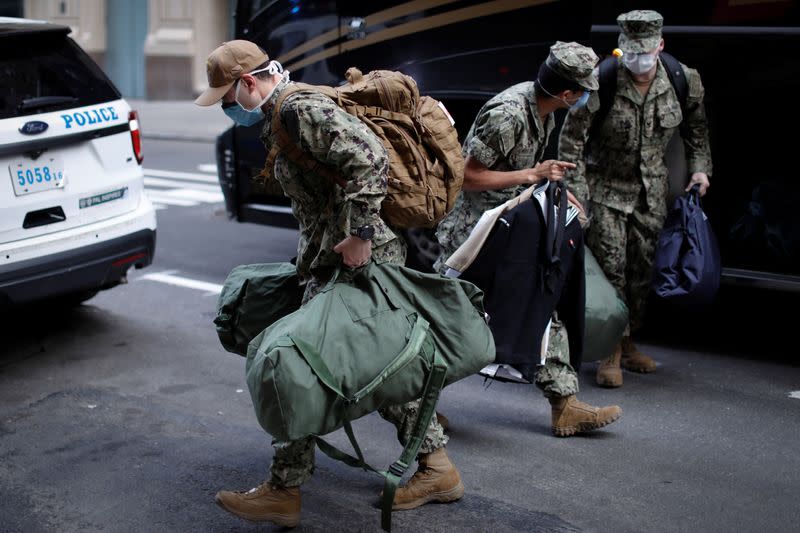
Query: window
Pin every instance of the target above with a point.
(36, 66)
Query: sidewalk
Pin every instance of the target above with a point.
(180, 120)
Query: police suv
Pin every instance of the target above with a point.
(73, 214)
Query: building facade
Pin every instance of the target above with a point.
(154, 49)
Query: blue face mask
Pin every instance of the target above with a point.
(242, 117)
(249, 117)
(581, 101)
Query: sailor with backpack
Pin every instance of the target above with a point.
(618, 142)
(326, 152)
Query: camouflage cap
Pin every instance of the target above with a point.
(574, 62)
(641, 31)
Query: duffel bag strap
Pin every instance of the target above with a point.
(433, 386)
(335, 453)
(419, 332)
(427, 408)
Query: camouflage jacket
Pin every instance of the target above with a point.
(507, 135)
(325, 211)
(629, 151)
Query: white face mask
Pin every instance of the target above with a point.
(640, 63)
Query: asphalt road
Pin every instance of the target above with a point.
(125, 414)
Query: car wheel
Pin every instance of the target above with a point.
(423, 249)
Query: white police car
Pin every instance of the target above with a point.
(73, 215)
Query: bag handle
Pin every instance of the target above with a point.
(693, 199)
(354, 76)
(348, 273)
(694, 194)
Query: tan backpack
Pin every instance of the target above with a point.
(426, 167)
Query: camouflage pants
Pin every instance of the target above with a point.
(556, 377)
(625, 246)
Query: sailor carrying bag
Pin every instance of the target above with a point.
(379, 336)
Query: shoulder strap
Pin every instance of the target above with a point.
(677, 77)
(284, 144)
(608, 88)
(435, 380)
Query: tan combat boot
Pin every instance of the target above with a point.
(436, 480)
(571, 416)
(634, 360)
(609, 374)
(265, 503)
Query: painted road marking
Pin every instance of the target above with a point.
(193, 194)
(183, 189)
(209, 168)
(184, 176)
(171, 184)
(178, 281)
(160, 198)
(795, 394)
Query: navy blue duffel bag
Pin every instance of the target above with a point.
(687, 265)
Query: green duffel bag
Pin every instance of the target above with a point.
(252, 298)
(383, 335)
(606, 313)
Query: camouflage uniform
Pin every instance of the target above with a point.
(557, 377)
(622, 174)
(508, 134)
(326, 213)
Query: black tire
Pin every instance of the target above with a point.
(423, 249)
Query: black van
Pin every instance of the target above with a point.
(463, 52)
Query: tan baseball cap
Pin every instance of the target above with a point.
(226, 64)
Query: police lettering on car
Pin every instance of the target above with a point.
(90, 117)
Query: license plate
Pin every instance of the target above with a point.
(36, 176)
